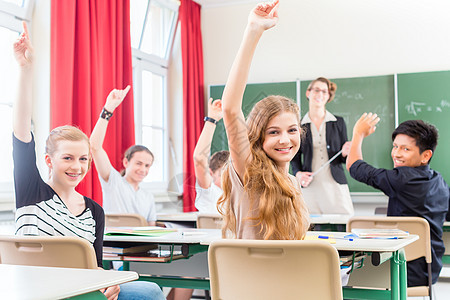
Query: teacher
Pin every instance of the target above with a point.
(326, 191)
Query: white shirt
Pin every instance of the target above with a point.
(206, 199)
(119, 196)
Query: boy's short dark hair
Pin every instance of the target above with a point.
(425, 134)
(218, 159)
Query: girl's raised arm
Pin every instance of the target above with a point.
(264, 16)
(99, 154)
(22, 109)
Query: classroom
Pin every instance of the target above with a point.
(340, 40)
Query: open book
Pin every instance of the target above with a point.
(380, 233)
(143, 231)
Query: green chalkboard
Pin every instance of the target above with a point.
(426, 96)
(253, 93)
(355, 96)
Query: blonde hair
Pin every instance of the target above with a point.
(332, 87)
(65, 133)
(281, 211)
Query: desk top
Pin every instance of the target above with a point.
(206, 236)
(178, 217)
(447, 224)
(329, 219)
(30, 282)
(181, 236)
(315, 219)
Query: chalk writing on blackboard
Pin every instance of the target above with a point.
(415, 108)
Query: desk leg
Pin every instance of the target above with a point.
(402, 273)
(394, 277)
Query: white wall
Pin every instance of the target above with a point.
(348, 38)
(335, 39)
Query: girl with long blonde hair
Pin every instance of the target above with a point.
(261, 200)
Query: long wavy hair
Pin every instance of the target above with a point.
(281, 212)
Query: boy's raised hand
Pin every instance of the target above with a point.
(23, 50)
(215, 109)
(116, 97)
(366, 125)
(265, 15)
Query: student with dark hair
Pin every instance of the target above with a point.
(121, 191)
(209, 175)
(413, 188)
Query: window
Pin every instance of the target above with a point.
(152, 28)
(11, 15)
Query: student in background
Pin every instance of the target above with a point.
(55, 208)
(261, 200)
(413, 188)
(325, 135)
(121, 191)
(209, 175)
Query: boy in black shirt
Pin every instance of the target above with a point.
(413, 188)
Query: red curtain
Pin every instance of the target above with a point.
(91, 55)
(193, 93)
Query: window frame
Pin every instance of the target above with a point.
(157, 65)
(11, 17)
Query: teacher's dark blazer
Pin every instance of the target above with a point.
(336, 136)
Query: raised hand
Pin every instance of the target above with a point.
(116, 97)
(23, 50)
(366, 125)
(264, 15)
(215, 109)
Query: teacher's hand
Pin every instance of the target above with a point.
(304, 178)
(346, 148)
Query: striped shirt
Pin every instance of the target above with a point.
(40, 211)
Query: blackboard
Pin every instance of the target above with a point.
(426, 96)
(355, 96)
(253, 93)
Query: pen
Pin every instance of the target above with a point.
(325, 237)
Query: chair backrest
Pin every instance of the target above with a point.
(47, 251)
(131, 220)
(414, 225)
(209, 221)
(267, 269)
(382, 210)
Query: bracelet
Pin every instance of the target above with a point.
(106, 114)
(210, 120)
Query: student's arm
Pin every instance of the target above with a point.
(101, 159)
(262, 17)
(22, 109)
(364, 127)
(203, 147)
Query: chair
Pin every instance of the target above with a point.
(381, 210)
(268, 269)
(47, 251)
(130, 220)
(209, 221)
(420, 248)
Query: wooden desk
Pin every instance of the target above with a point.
(30, 282)
(446, 239)
(330, 222)
(165, 274)
(184, 219)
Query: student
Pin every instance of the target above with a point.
(413, 188)
(121, 191)
(54, 207)
(261, 200)
(209, 175)
(325, 136)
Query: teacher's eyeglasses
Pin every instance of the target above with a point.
(317, 91)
